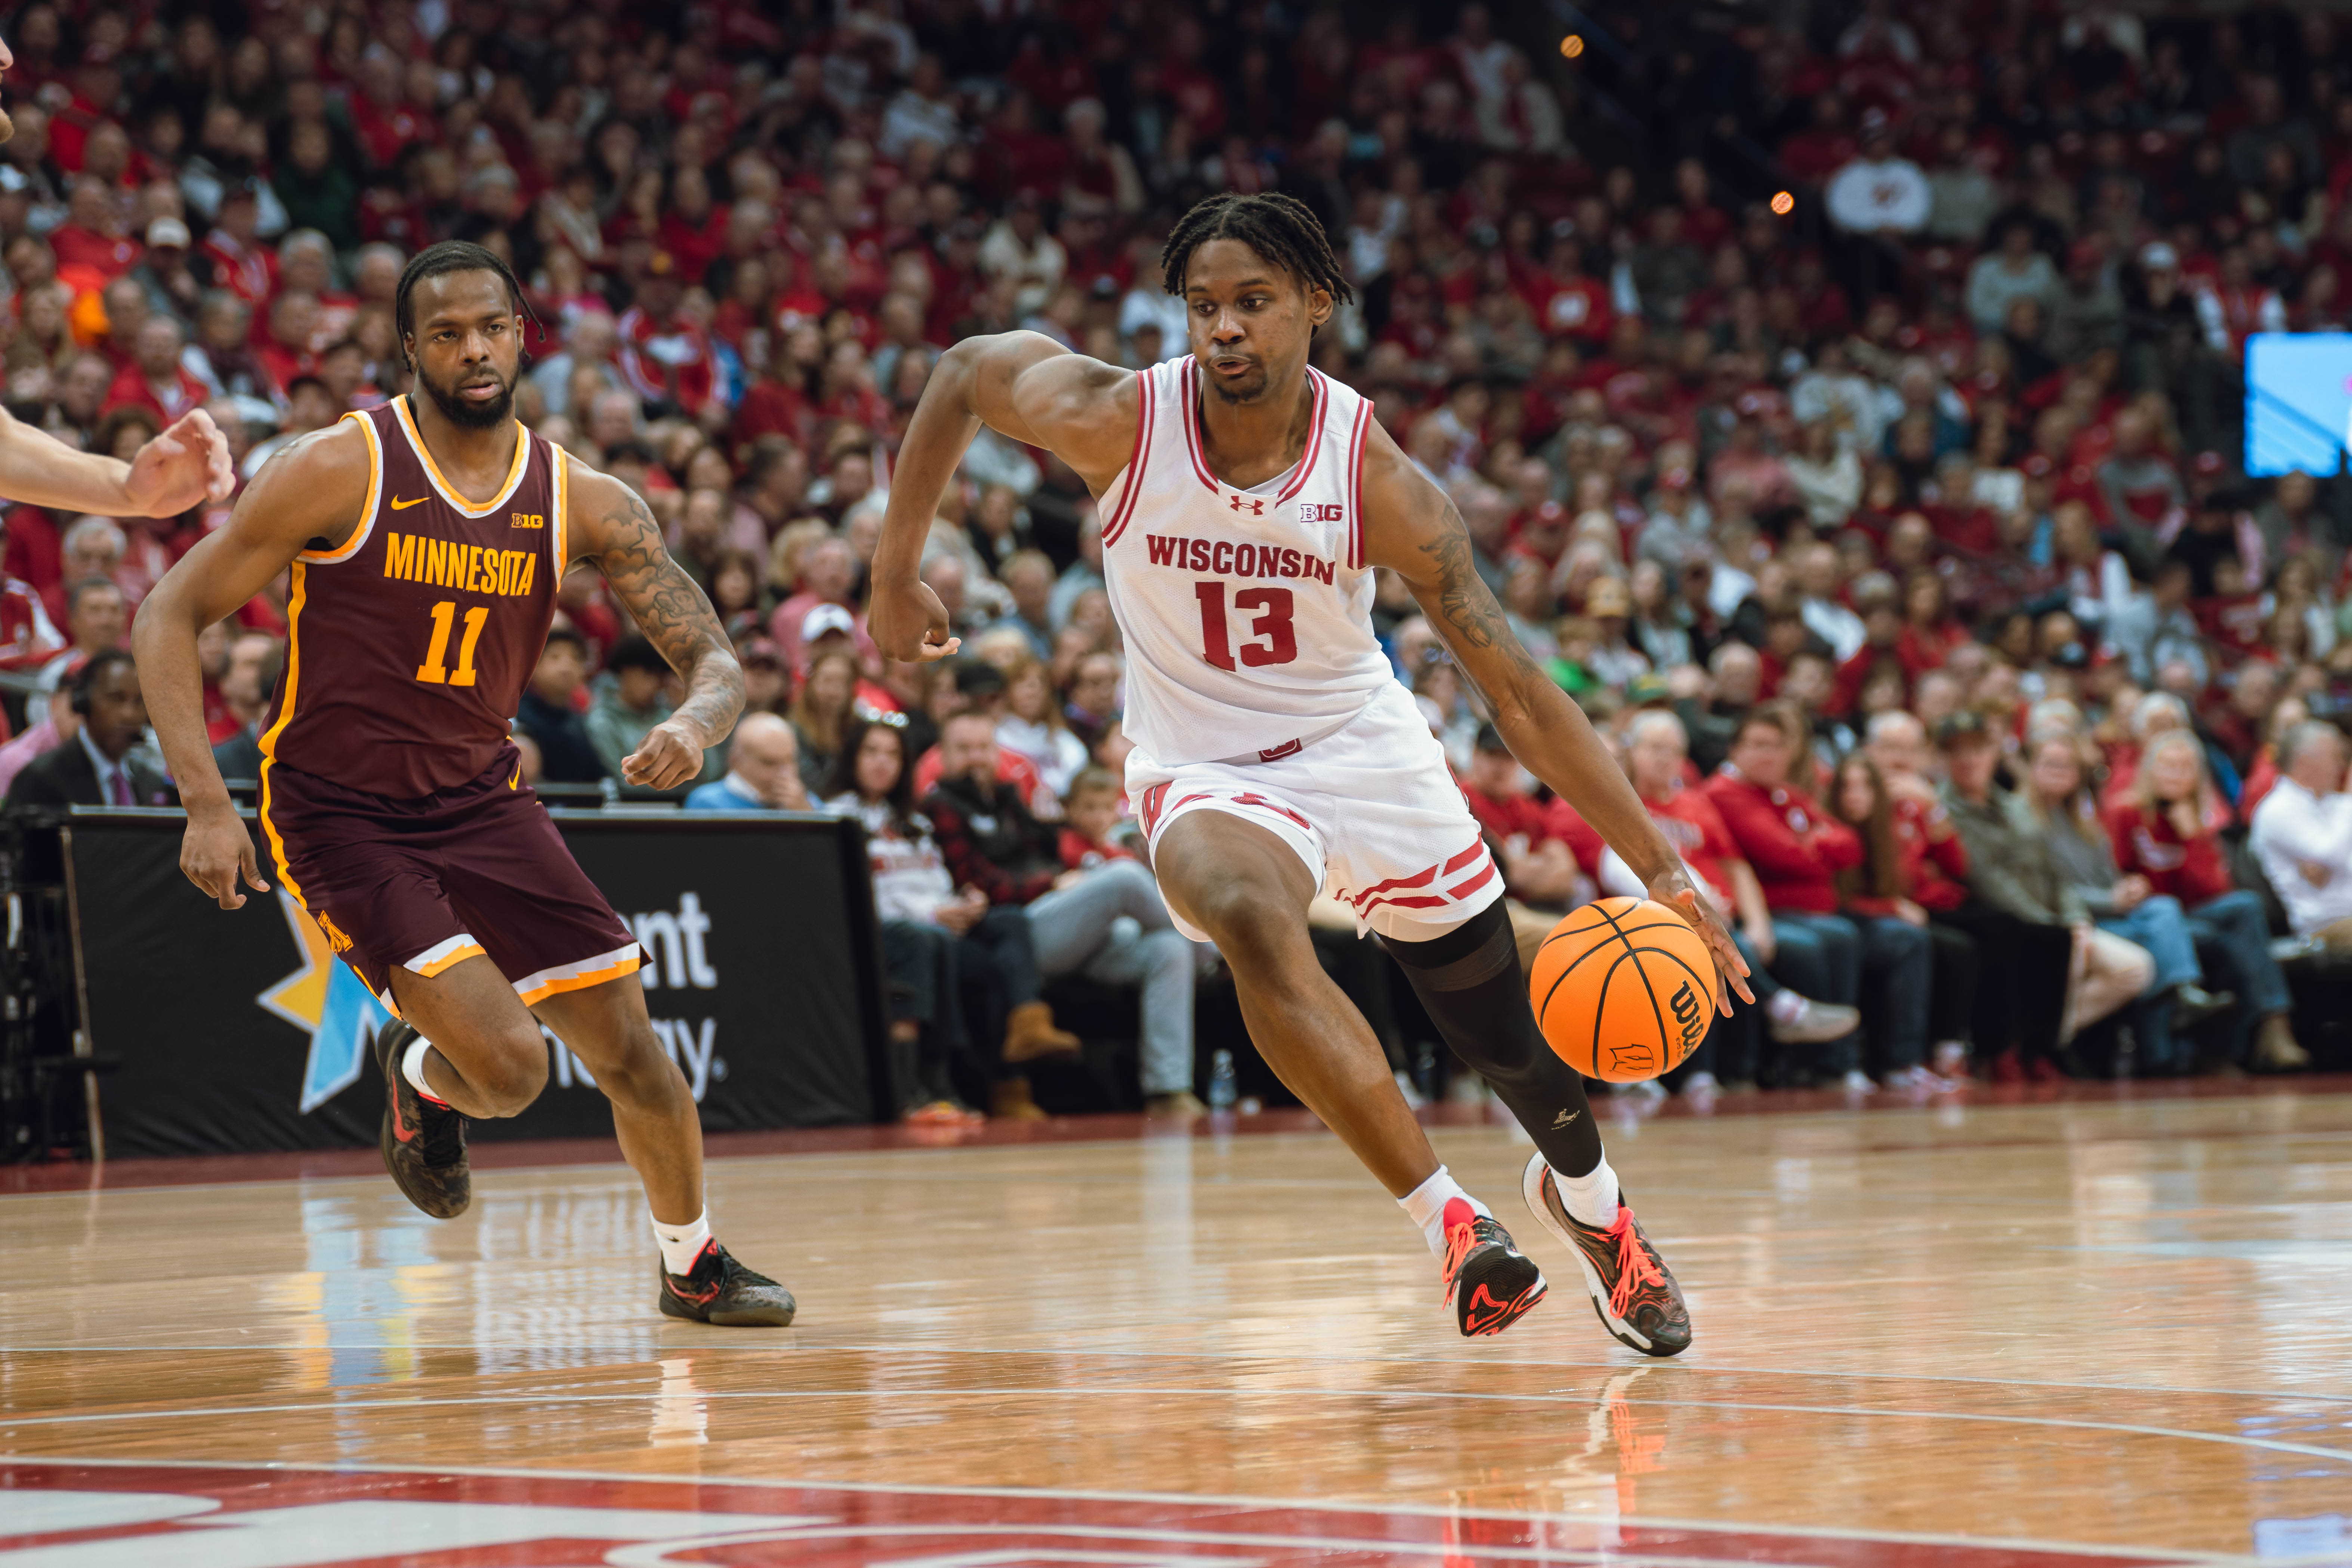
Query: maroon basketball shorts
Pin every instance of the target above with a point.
(425, 884)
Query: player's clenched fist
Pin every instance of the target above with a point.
(667, 758)
(908, 623)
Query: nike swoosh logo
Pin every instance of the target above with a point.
(399, 505)
(399, 1131)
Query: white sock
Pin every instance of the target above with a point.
(1591, 1198)
(1426, 1206)
(682, 1244)
(1784, 1007)
(412, 1067)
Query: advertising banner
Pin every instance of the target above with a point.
(237, 1030)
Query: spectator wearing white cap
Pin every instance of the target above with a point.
(172, 288)
(2302, 836)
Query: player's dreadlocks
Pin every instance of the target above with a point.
(1281, 228)
(451, 256)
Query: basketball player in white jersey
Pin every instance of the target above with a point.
(1246, 499)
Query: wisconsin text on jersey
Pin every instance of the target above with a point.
(1229, 558)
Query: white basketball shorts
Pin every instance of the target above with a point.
(1371, 808)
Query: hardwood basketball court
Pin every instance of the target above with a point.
(2102, 1327)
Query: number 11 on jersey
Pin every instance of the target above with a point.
(1272, 623)
(445, 614)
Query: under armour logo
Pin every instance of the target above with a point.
(1257, 507)
(1564, 1118)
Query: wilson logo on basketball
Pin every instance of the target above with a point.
(1689, 1015)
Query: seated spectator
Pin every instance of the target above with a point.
(551, 711)
(2175, 998)
(1032, 725)
(961, 960)
(822, 711)
(629, 703)
(2303, 837)
(1910, 853)
(98, 768)
(2164, 832)
(248, 680)
(995, 844)
(975, 686)
(763, 770)
(2156, 629)
(61, 726)
(1097, 829)
(1797, 850)
(1656, 760)
(2064, 974)
(1546, 851)
(97, 620)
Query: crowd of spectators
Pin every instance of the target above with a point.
(1843, 406)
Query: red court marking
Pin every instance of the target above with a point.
(128, 1516)
(209, 1170)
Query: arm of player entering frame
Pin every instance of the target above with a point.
(1022, 385)
(1413, 530)
(310, 496)
(611, 525)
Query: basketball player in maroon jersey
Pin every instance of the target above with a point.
(427, 540)
(1298, 764)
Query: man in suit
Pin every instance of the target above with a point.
(96, 767)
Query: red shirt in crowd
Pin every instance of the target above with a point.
(1080, 853)
(1521, 814)
(1696, 830)
(132, 389)
(29, 638)
(2191, 871)
(1933, 862)
(1796, 849)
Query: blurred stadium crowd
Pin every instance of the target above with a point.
(1845, 402)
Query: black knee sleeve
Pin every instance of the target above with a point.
(1476, 991)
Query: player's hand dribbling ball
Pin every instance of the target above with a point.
(1624, 990)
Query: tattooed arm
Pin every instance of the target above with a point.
(1412, 529)
(611, 525)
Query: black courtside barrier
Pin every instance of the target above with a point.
(235, 1031)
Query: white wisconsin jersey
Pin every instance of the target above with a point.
(1247, 613)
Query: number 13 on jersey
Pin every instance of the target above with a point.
(1272, 623)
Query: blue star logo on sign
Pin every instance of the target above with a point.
(329, 1000)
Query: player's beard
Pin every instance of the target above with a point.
(469, 415)
(1249, 389)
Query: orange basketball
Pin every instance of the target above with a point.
(1624, 989)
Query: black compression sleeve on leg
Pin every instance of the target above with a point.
(1475, 991)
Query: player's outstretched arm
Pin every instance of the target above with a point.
(1022, 385)
(1413, 530)
(185, 465)
(611, 525)
(310, 494)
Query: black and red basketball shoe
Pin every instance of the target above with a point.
(1632, 1293)
(423, 1140)
(718, 1289)
(1489, 1281)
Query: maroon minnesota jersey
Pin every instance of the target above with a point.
(407, 650)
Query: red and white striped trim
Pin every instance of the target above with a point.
(1313, 437)
(1147, 407)
(1422, 889)
(1191, 391)
(1199, 458)
(1355, 482)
